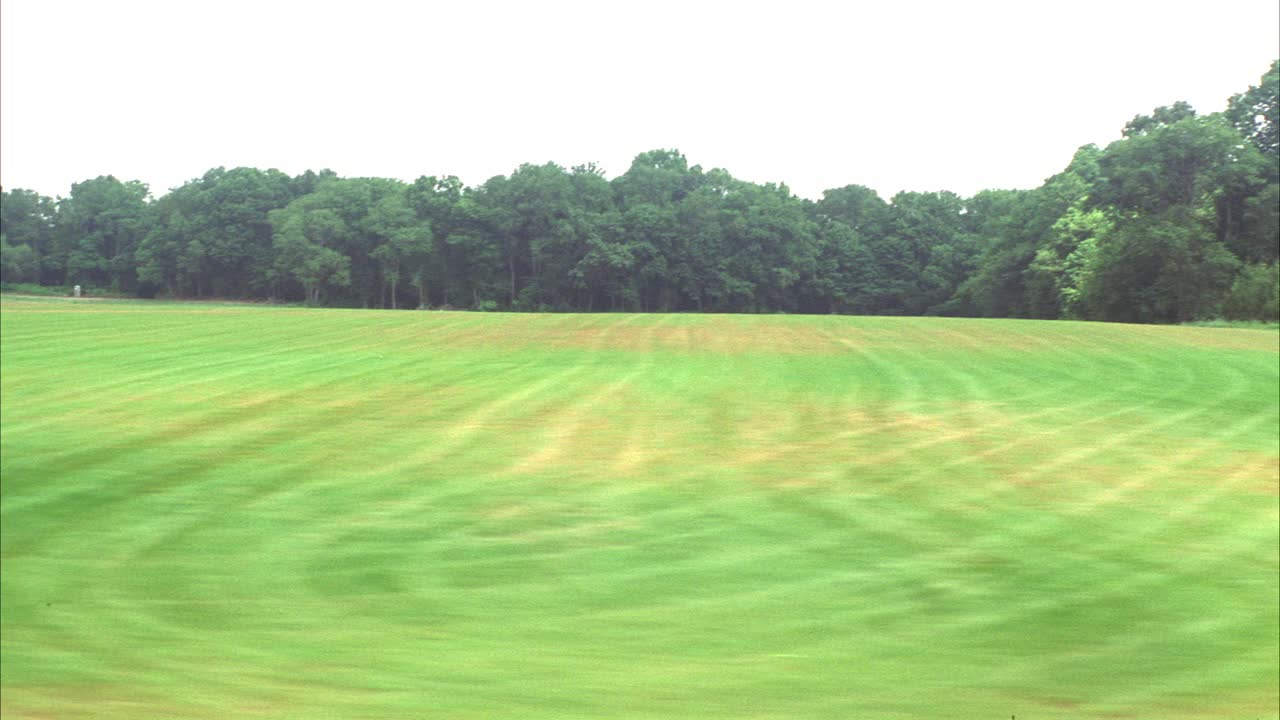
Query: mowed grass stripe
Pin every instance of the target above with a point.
(287, 513)
(1034, 532)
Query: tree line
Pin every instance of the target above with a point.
(1177, 220)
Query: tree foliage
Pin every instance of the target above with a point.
(1178, 219)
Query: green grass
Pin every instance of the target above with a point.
(221, 511)
(1242, 324)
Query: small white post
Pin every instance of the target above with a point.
(77, 291)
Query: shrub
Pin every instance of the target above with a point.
(1255, 294)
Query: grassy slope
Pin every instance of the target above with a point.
(217, 511)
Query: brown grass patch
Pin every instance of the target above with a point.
(1208, 337)
(721, 338)
(818, 444)
(1257, 473)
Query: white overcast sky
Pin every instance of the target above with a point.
(956, 96)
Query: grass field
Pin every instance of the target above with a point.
(222, 511)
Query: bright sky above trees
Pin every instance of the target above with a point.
(901, 95)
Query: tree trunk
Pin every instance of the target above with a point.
(511, 265)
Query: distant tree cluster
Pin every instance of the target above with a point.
(1178, 220)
